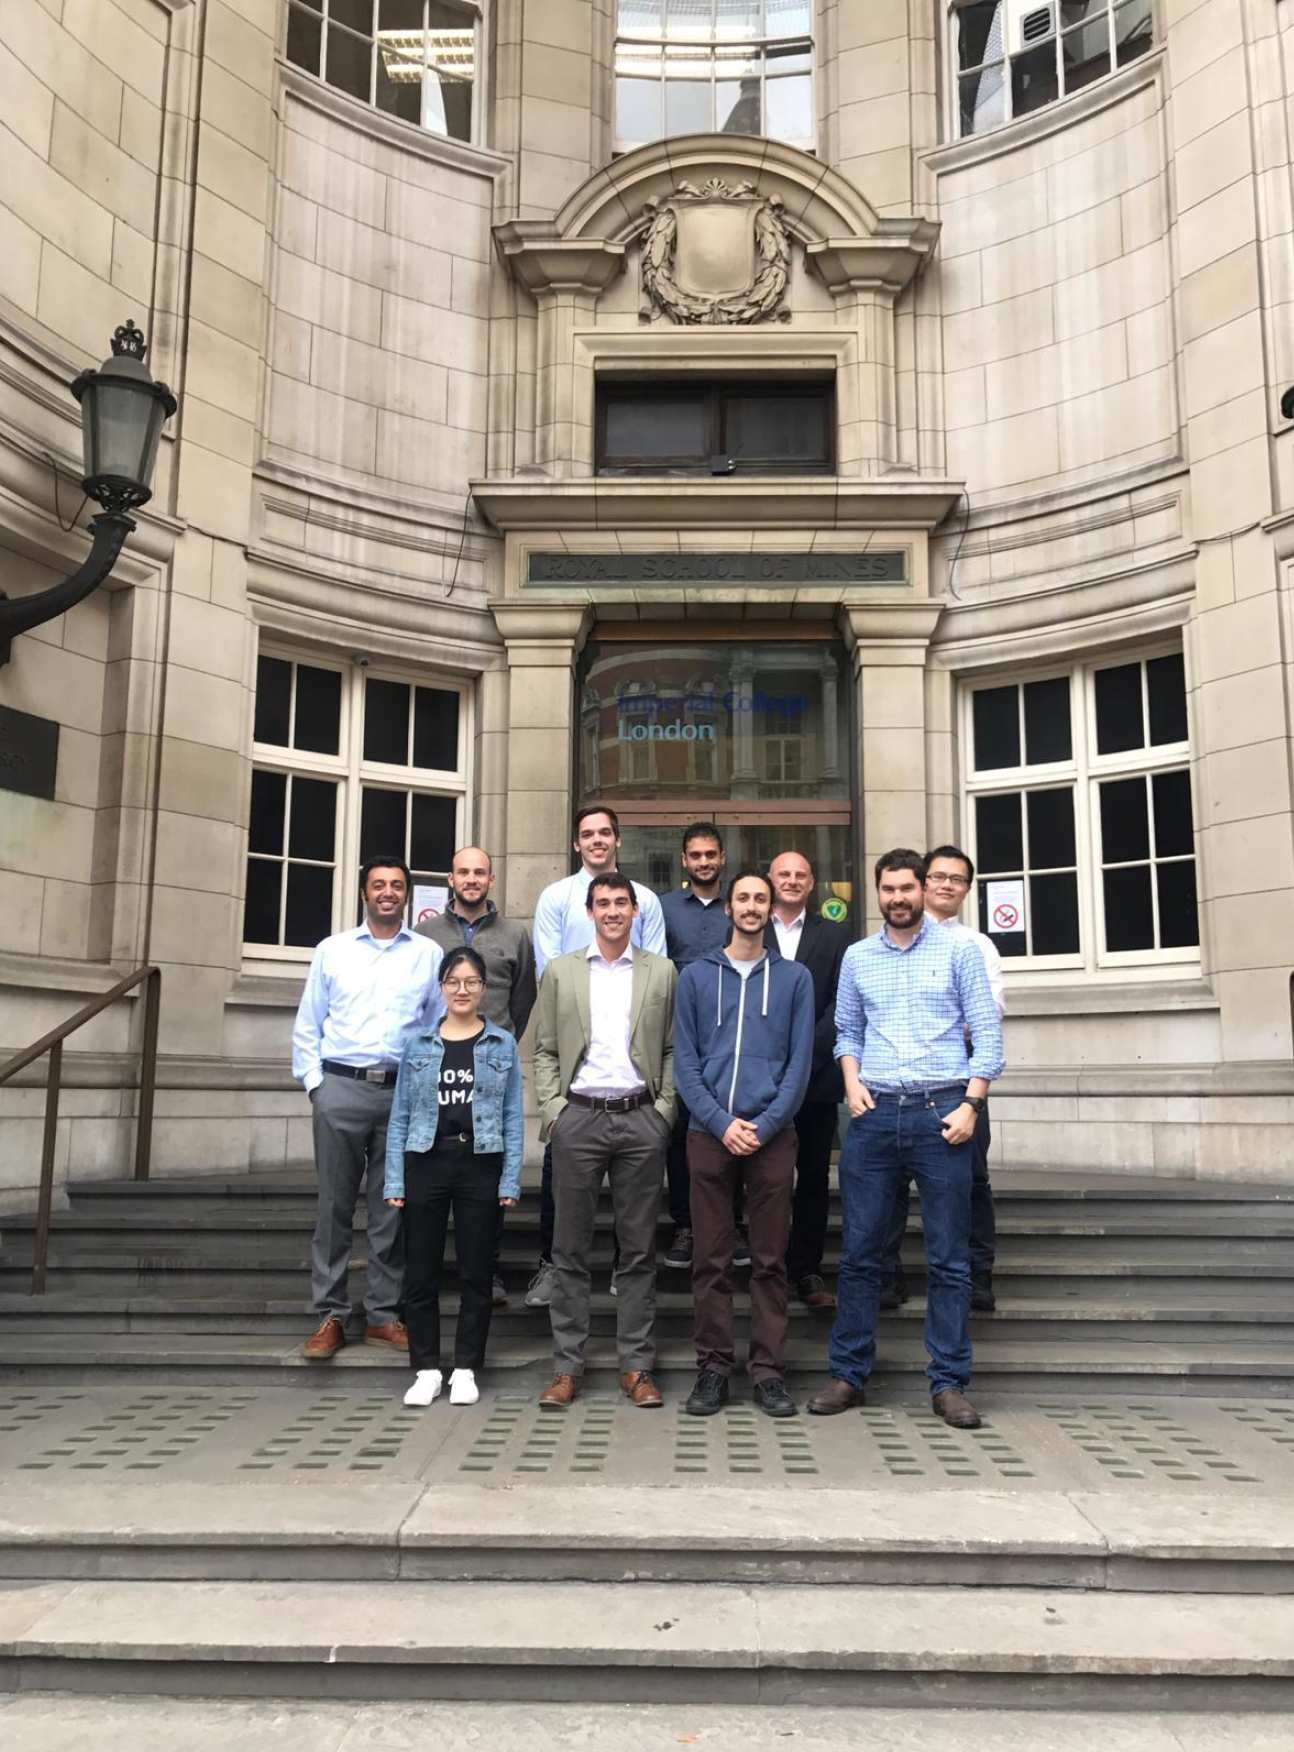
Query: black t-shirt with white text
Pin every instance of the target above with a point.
(457, 1079)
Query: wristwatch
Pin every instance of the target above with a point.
(978, 1102)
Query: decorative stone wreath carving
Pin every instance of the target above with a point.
(720, 253)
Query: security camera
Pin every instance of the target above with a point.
(361, 662)
(1287, 404)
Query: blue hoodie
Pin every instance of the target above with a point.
(743, 1048)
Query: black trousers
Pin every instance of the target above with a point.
(815, 1126)
(676, 1171)
(983, 1230)
(450, 1179)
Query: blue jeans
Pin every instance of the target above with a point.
(902, 1139)
(983, 1232)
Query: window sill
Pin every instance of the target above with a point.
(1108, 999)
(269, 991)
(362, 118)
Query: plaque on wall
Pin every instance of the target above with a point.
(717, 568)
(28, 753)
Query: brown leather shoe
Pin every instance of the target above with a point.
(394, 1335)
(559, 1395)
(954, 1408)
(324, 1343)
(813, 1292)
(639, 1389)
(834, 1397)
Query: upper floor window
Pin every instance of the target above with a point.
(416, 59)
(714, 67)
(730, 426)
(1014, 56)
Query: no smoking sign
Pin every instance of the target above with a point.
(1004, 904)
(1005, 917)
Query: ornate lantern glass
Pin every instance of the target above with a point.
(123, 411)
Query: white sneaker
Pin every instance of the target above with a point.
(426, 1387)
(462, 1388)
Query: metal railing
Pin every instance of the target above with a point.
(52, 1043)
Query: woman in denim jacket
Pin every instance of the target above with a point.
(453, 1143)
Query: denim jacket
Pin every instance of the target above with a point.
(496, 1105)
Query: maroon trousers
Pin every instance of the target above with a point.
(766, 1178)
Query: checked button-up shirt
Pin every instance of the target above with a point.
(903, 1014)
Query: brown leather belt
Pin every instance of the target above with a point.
(610, 1103)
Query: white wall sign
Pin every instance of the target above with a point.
(1005, 905)
(428, 900)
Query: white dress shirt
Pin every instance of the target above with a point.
(992, 959)
(364, 997)
(563, 922)
(608, 1070)
(788, 936)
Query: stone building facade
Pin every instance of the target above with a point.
(913, 469)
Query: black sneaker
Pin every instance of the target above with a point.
(679, 1257)
(893, 1295)
(709, 1396)
(741, 1247)
(983, 1301)
(772, 1398)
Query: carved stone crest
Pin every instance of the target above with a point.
(720, 253)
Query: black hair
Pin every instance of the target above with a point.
(610, 879)
(371, 864)
(702, 830)
(901, 858)
(454, 957)
(745, 876)
(596, 809)
(952, 852)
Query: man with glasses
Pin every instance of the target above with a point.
(949, 874)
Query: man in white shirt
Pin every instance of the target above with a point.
(562, 924)
(367, 991)
(949, 874)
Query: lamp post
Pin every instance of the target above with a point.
(123, 411)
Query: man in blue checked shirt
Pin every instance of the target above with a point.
(907, 1001)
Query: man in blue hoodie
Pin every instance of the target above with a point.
(743, 1050)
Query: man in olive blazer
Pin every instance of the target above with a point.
(604, 1082)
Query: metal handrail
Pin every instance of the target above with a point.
(52, 1043)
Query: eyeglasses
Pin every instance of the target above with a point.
(463, 985)
(941, 880)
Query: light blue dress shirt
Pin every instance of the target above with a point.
(903, 1014)
(363, 999)
(563, 923)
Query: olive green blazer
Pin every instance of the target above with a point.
(561, 1033)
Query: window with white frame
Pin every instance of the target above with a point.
(1015, 56)
(416, 59)
(1079, 814)
(346, 764)
(713, 66)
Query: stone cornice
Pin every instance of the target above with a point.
(537, 502)
(543, 263)
(885, 262)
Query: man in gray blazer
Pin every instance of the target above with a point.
(604, 1082)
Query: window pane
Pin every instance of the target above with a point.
(305, 46)
(996, 715)
(1051, 829)
(382, 824)
(313, 829)
(349, 62)
(1046, 721)
(982, 97)
(1129, 916)
(740, 20)
(1033, 79)
(794, 58)
(1134, 30)
(318, 725)
(787, 18)
(431, 845)
(403, 15)
(1174, 826)
(400, 55)
(979, 33)
(261, 908)
(1053, 908)
(1125, 829)
(736, 102)
(1179, 919)
(451, 61)
(638, 111)
(1119, 722)
(790, 108)
(1166, 686)
(358, 14)
(689, 20)
(687, 101)
(269, 801)
(999, 838)
(273, 700)
(776, 429)
(386, 722)
(642, 17)
(646, 430)
(435, 729)
(1085, 53)
(309, 909)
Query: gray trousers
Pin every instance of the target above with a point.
(629, 1149)
(350, 1145)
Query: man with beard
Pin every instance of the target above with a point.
(909, 998)
(473, 921)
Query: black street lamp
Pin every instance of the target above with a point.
(123, 411)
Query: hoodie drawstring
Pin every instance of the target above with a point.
(764, 1009)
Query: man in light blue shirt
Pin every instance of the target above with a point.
(908, 1000)
(368, 990)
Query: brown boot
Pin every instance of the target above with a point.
(954, 1408)
(564, 1389)
(834, 1397)
(393, 1336)
(324, 1343)
(639, 1389)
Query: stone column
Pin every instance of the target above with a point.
(542, 647)
(889, 643)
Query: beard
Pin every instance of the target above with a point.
(910, 911)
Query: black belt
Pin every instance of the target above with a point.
(382, 1075)
(610, 1103)
(919, 1094)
